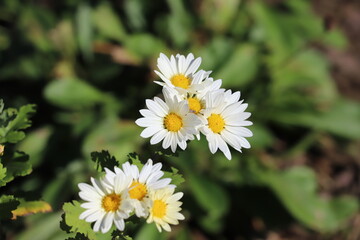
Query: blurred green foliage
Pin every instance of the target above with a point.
(88, 65)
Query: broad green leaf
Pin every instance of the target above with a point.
(35, 144)
(297, 186)
(212, 198)
(149, 232)
(31, 23)
(144, 45)
(45, 228)
(240, 68)
(85, 30)
(307, 74)
(216, 52)
(72, 93)
(219, 15)
(118, 137)
(135, 13)
(342, 119)
(108, 23)
(64, 39)
(8, 203)
(72, 213)
(30, 207)
(261, 138)
(179, 23)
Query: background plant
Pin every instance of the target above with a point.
(88, 65)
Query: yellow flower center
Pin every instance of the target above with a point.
(137, 191)
(159, 208)
(180, 80)
(111, 202)
(216, 123)
(173, 122)
(194, 105)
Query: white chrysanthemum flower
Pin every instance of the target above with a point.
(106, 202)
(225, 122)
(142, 182)
(165, 208)
(180, 72)
(196, 99)
(169, 121)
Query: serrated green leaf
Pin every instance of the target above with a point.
(176, 178)
(72, 213)
(135, 159)
(8, 203)
(12, 120)
(103, 160)
(17, 165)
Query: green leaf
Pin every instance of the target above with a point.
(44, 228)
(240, 68)
(177, 178)
(341, 119)
(144, 45)
(30, 207)
(261, 138)
(8, 203)
(76, 225)
(135, 159)
(108, 23)
(212, 198)
(85, 30)
(17, 165)
(149, 232)
(35, 144)
(179, 23)
(2, 175)
(297, 186)
(11, 121)
(219, 15)
(72, 93)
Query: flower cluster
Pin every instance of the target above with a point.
(194, 103)
(122, 192)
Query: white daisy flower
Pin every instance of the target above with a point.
(142, 182)
(180, 72)
(225, 122)
(169, 121)
(106, 202)
(165, 208)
